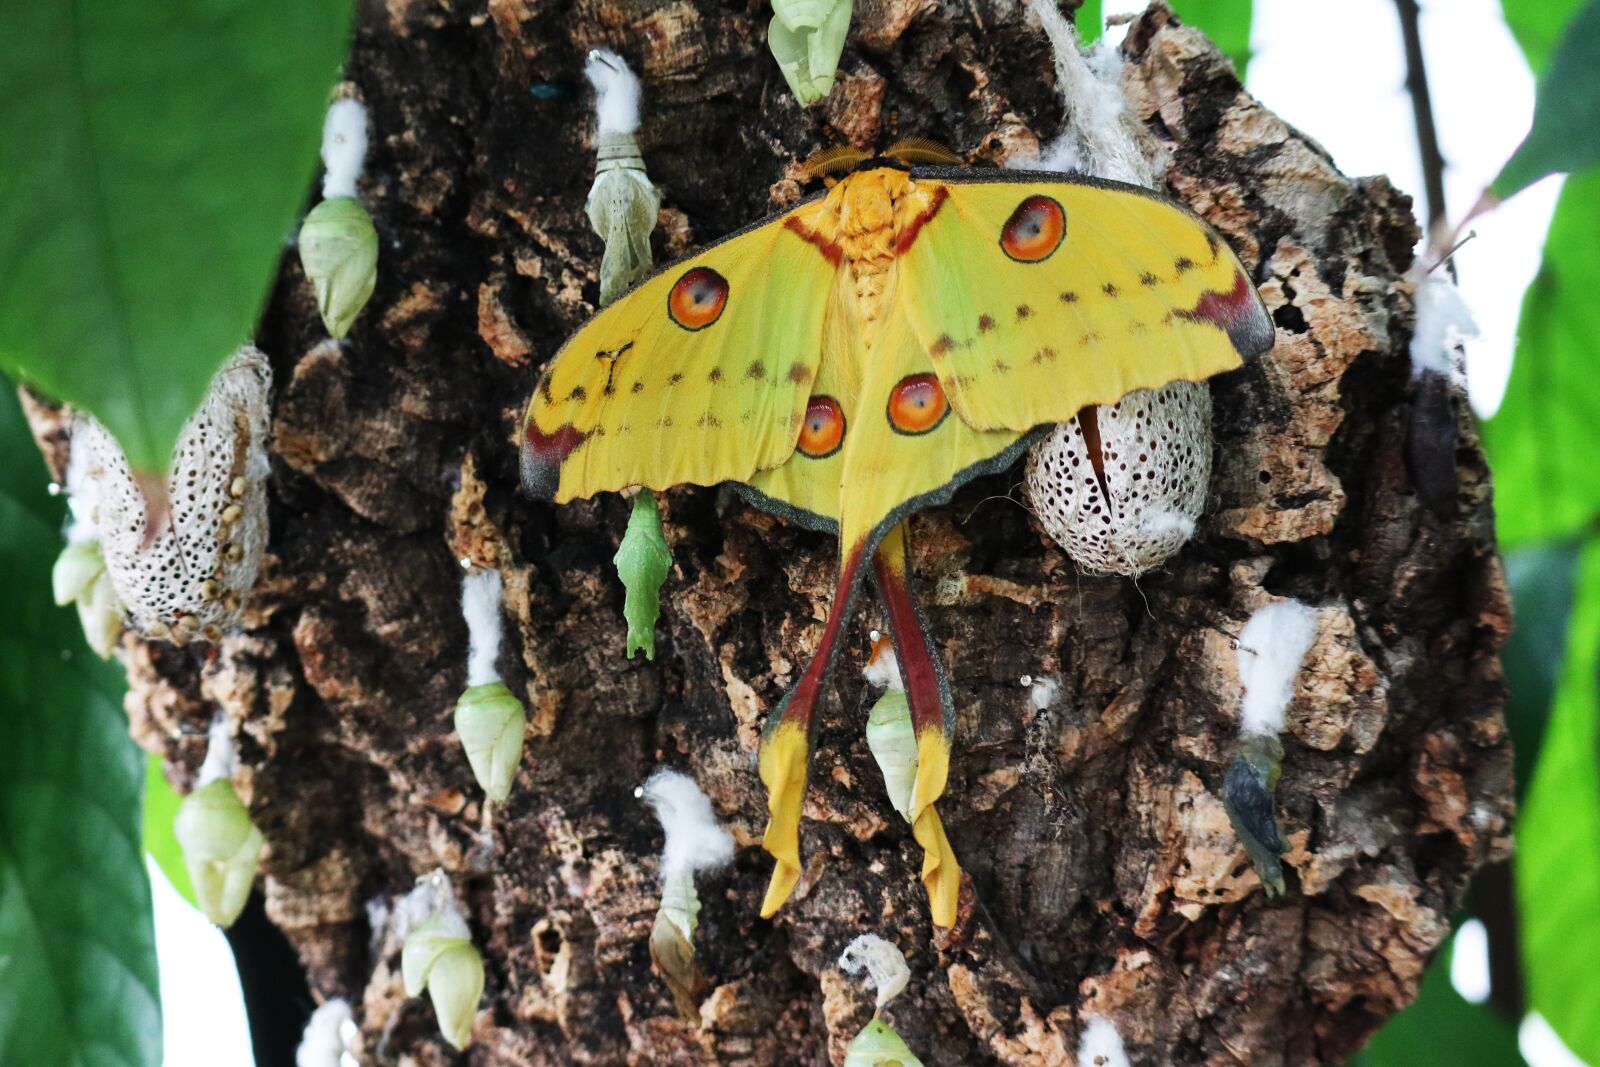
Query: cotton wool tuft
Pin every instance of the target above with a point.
(1271, 647)
(326, 1040)
(881, 961)
(1101, 1044)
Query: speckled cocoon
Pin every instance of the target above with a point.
(192, 577)
(1123, 497)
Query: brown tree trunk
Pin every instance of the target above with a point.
(1104, 877)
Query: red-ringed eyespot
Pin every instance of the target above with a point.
(917, 404)
(697, 298)
(822, 432)
(1034, 230)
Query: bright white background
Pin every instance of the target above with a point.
(1335, 69)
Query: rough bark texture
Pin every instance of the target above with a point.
(1104, 877)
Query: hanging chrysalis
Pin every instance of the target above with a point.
(890, 734)
(622, 204)
(877, 1044)
(642, 562)
(807, 39)
(1119, 486)
(191, 579)
(1443, 323)
(1271, 647)
(338, 243)
(489, 719)
(438, 956)
(695, 842)
(79, 575)
(221, 847)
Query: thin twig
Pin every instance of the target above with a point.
(1422, 111)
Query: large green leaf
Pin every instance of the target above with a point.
(1558, 838)
(161, 804)
(1442, 1028)
(1565, 137)
(1226, 22)
(1542, 441)
(1537, 25)
(156, 152)
(77, 948)
(1541, 579)
(1089, 20)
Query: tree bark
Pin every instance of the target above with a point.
(1104, 877)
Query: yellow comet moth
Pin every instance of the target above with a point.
(862, 355)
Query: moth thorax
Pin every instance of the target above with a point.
(190, 581)
(1121, 485)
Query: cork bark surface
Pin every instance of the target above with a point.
(1103, 876)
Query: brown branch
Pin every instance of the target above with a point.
(1422, 113)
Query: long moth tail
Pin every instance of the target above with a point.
(933, 718)
(787, 741)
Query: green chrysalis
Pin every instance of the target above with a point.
(439, 956)
(893, 742)
(807, 44)
(642, 561)
(339, 251)
(491, 721)
(878, 1045)
(1247, 794)
(220, 848)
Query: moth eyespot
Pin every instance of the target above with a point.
(917, 404)
(1034, 231)
(697, 298)
(822, 432)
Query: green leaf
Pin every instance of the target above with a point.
(1558, 838)
(77, 947)
(156, 156)
(1541, 442)
(160, 810)
(1227, 22)
(1541, 579)
(1441, 1027)
(1537, 26)
(1089, 21)
(1565, 137)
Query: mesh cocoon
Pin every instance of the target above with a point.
(192, 579)
(1155, 446)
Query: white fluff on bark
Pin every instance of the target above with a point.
(695, 840)
(222, 758)
(481, 592)
(326, 1040)
(883, 666)
(1044, 692)
(344, 147)
(1443, 322)
(616, 89)
(1271, 646)
(883, 963)
(1101, 1045)
(1167, 523)
(432, 896)
(1098, 138)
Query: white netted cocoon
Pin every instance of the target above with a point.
(192, 579)
(1138, 509)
